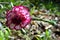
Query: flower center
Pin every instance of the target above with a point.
(16, 20)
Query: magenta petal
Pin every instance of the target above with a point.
(18, 17)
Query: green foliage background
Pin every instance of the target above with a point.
(52, 5)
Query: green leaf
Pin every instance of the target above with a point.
(1, 5)
(6, 35)
(9, 31)
(52, 22)
(12, 4)
(32, 10)
(1, 35)
(13, 1)
(23, 31)
(47, 33)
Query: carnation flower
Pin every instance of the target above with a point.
(18, 17)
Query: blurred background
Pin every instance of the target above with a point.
(46, 25)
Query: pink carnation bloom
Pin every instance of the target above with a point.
(18, 17)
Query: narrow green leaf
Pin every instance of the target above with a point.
(1, 35)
